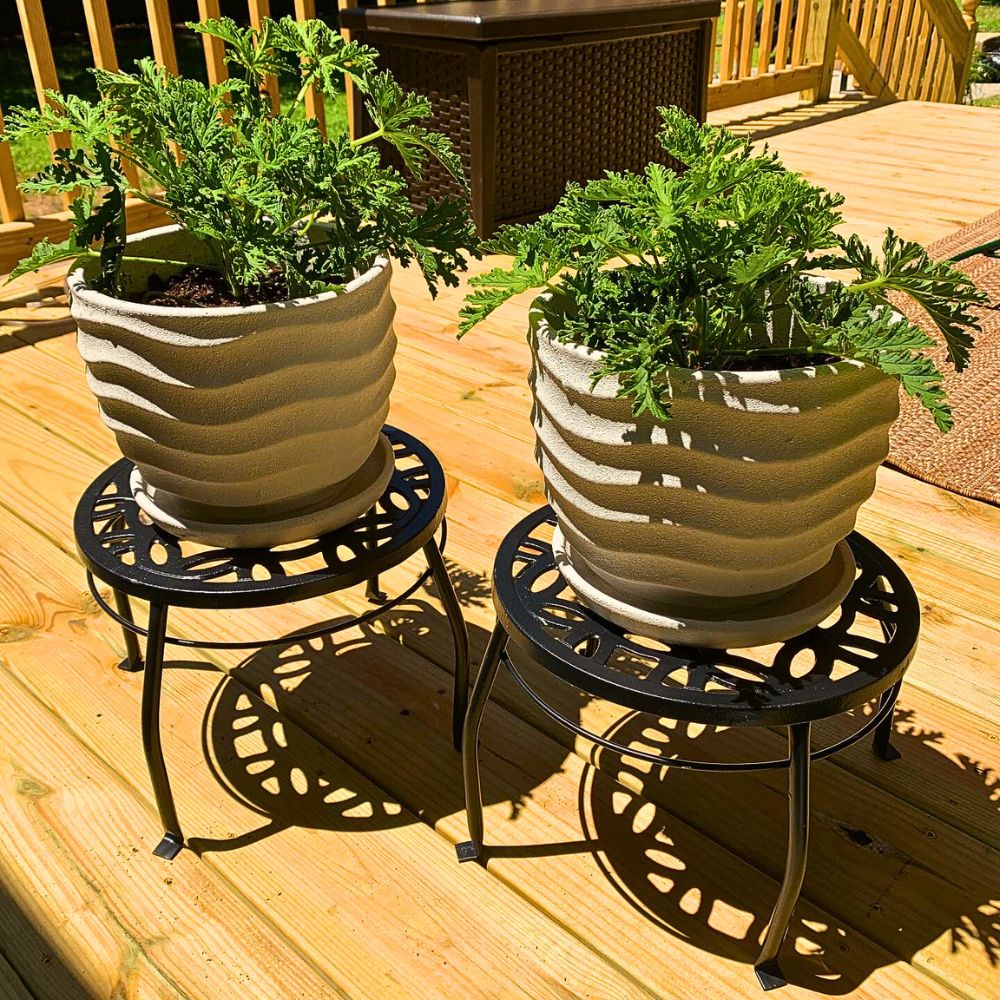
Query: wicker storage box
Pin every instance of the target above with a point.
(535, 94)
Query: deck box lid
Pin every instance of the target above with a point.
(499, 20)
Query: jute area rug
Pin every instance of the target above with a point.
(966, 460)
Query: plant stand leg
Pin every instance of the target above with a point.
(882, 740)
(133, 659)
(768, 970)
(459, 635)
(173, 839)
(470, 850)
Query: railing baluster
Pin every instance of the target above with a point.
(911, 62)
(728, 37)
(161, 30)
(352, 125)
(901, 44)
(259, 9)
(43, 67)
(890, 38)
(215, 49)
(305, 10)
(867, 19)
(766, 34)
(802, 11)
(784, 34)
(746, 40)
(102, 46)
(11, 206)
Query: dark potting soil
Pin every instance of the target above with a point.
(201, 286)
(771, 362)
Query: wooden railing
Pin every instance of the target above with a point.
(909, 49)
(18, 233)
(765, 48)
(893, 48)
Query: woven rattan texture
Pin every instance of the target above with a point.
(443, 77)
(966, 460)
(570, 112)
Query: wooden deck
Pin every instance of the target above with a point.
(318, 786)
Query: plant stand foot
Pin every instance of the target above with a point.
(770, 976)
(374, 593)
(887, 752)
(169, 847)
(468, 850)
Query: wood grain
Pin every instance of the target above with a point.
(605, 879)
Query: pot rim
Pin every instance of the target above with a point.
(79, 288)
(541, 315)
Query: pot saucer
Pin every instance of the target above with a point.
(790, 613)
(350, 500)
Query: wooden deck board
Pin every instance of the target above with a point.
(612, 881)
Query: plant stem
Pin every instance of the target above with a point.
(377, 134)
(865, 286)
(144, 260)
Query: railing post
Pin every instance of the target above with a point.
(11, 208)
(969, 8)
(821, 45)
(353, 104)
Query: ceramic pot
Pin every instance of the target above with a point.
(248, 425)
(724, 525)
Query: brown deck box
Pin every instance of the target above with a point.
(535, 93)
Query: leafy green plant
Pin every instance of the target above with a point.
(689, 268)
(267, 194)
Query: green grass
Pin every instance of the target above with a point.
(72, 59)
(988, 102)
(988, 16)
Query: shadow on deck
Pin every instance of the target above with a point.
(681, 848)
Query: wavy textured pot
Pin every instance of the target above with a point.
(248, 426)
(724, 525)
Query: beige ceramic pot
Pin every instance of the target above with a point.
(723, 526)
(248, 426)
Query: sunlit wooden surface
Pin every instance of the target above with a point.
(319, 788)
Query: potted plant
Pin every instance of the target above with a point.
(243, 356)
(708, 417)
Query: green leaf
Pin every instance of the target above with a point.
(708, 267)
(45, 253)
(939, 288)
(494, 288)
(920, 377)
(398, 116)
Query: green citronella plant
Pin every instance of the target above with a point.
(686, 269)
(267, 194)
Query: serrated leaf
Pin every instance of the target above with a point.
(44, 253)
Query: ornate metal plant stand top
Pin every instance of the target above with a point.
(123, 549)
(860, 656)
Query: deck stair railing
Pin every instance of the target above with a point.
(894, 49)
(909, 49)
(897, 49)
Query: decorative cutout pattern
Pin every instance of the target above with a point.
(838, 665)
(120, 545)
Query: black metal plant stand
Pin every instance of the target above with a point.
(859, 657)
(123, 549)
